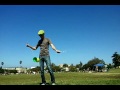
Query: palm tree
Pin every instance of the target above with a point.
(80, 65)
(2, 63)
(20, 63)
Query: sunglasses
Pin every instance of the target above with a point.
(41, 34)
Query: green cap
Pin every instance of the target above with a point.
(41, 32)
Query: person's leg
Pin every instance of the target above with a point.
(48, 63)
(42, 70)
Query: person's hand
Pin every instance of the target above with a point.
(58, 51)
(27, 45)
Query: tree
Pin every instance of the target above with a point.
(92, 62)
(53, 67)
(65, 65)
(56, 69)
(20, 62)
(116, 59)
(85, 66)
(2, 63)
(80, 65)
(77, 66)
(72, 68)
(109, 66)
(36, 69)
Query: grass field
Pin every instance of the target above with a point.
(69, 78)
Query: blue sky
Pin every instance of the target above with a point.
(81, 31)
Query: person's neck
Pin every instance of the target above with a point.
(42, 38)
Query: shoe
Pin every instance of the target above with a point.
(42, 84)
(53, 84)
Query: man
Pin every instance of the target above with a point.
(44, 55)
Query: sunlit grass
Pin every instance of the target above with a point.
(65, 78)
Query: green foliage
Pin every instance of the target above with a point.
(92, 62)
(65, 65)
(20, 62)
(72, 69)
(77, 65)
(56, 69)
(36, 69)
(2, 63)
(80, 65)
(1, 70)
(12, 71)
(116, 59)
(109, 66)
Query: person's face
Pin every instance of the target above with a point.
(41, 35)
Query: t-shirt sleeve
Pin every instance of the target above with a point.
(49, 41)
(38, 44)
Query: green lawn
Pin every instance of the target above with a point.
(69, 78)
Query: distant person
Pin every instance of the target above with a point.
(44, 56)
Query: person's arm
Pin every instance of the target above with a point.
(54, 48)
(33, 48)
